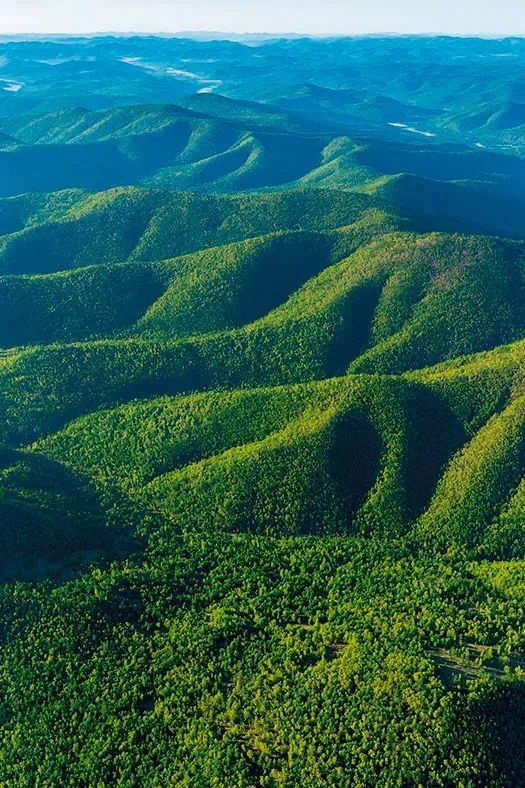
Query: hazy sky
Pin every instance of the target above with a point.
(308, 16)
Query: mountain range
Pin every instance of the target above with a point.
(262, 386)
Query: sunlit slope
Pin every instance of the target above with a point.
(367, 455)
(145, 225)
(321, 458)
(401, 302)
(221, 287)
(479, 497)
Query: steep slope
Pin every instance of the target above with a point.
(148, 225)
(360, 454)
(54, 522)
(474, 206)
(319, 458)
(480, 488)
(460, 278)
(219, 288)
(153, 145)
(77, 304)
(401, 302)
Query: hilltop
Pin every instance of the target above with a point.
(243, 146)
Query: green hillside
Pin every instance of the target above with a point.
(216, 144)
(69, 231)
(262, 413)
(153, 145)
(474, 207)
(41, 507)
(279, 309)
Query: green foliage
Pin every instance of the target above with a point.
(78, 304)
(480, 479)
(347, 449)
(242, 660)
(261, 480)
(71, 230)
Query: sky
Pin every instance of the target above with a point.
(322, 17)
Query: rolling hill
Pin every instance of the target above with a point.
(149, 225)
(151, 145)
(307, 394)
(217, 145)
(262, 399)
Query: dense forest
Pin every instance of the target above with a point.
(262, 399)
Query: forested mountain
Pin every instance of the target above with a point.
(241, 146)
(262, 388)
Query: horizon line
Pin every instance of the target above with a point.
(263, 34)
